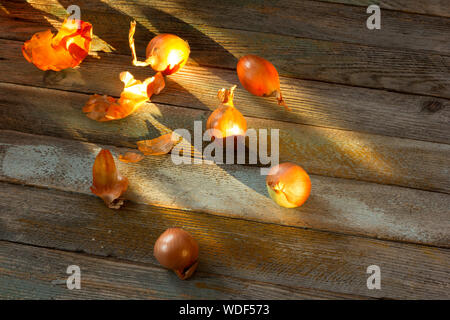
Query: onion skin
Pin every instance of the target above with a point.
(66, 49)
(288, 185)
(226, 121)
(259, 77)
(177, 250)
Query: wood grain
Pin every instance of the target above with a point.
(305, 19)
(313, 103)
(303, 260)
(38, 273)
(321, 151)
(430, 7)
(343, 63)
(337, 205)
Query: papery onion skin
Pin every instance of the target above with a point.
(131, 157)
(157, 146)
(226, 121)
(66, 49)
(169, 53)
(259, 77)
(177, 250)
(135, 94)
(288, 185)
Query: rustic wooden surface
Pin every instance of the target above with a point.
(370, 123)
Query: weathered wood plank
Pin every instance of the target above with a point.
(328, 152)
(431, 7)
(294, 257)
(38, 273)
(305, 19)
(314, 103)
(403, 71)
(338, 205)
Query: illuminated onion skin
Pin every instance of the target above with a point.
(177, 250)
(288, 185)
(160, 49)
(259, 77)
(226, 121)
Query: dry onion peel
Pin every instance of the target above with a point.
(107, 183)
(66, 49)
(135, 93)
(131, 157)
(158, 146)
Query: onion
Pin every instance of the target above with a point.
(177, 250)
(166, 53)
(107, 183)
(226, 121)
(259, 77)
(288, 185)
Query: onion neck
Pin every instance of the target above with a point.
(281, 101)
(187, 272)
(226, 96)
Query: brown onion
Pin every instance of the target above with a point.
(226, 121)
(177, 250)
(288, 185)
(259, 77)
(166, 53)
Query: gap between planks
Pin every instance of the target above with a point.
(230, 247)
(111, 278)
(321, 151)
(313, 103)
(336, 205)
(361, 66)
(305, 19)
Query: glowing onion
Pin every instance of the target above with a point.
(226, 121)
(166, 53)
(288, 185)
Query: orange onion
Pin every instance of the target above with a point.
(166, 53)
(259, 77)
(288, 185)
(177, 250)
(66, 49)
(107, 183)
(226, 121)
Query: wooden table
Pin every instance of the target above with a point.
(370, 122)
